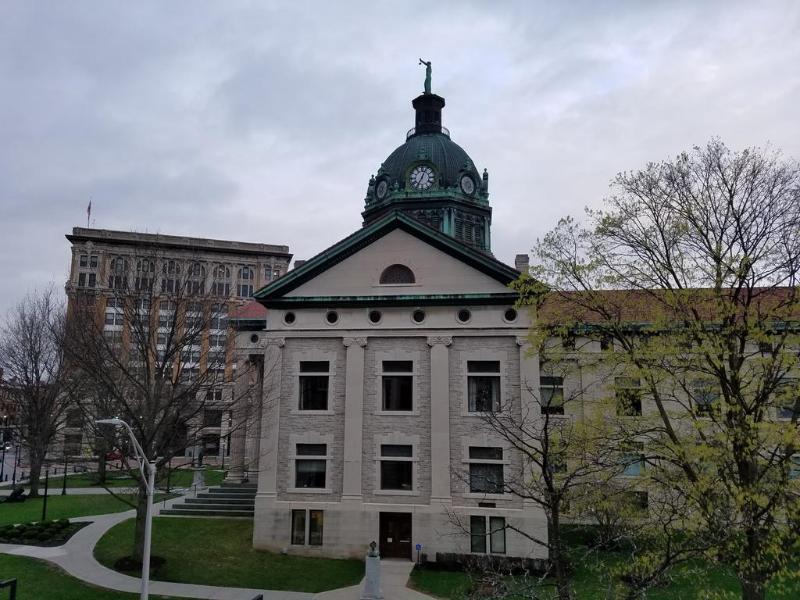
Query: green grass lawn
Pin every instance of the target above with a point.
(37, 579)
(591, 582)
(219, 552)
(63, 507)
(178, 478)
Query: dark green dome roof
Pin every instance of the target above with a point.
(449, 159)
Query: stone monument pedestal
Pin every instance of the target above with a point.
(372, 576)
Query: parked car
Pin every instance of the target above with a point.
(8, 447)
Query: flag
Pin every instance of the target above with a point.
(89, 209)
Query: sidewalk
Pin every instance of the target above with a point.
(76, 558)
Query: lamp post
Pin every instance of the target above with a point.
(148, 470)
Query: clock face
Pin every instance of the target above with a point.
(382, 188)
(421, 177)
(467, 185)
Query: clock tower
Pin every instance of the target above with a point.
(433, 180)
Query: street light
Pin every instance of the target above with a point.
(148, 470)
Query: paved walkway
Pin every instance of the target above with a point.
(76, 558)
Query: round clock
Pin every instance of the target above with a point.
(421, 177)
(381, 190)
(467, 185)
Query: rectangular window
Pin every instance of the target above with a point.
(217, 340)
(84, 260)
(705, 397)
(495, 532)
(396, 467)
(92, 280)
(82, 279)
(629, 396)
(477, 531)
(299, 527)
(314, 385)
(551, 390)
(310, 472)
(212, 418)
(93, 261)
(398, 385)
(483, 385)
(787, 393)
(633, 459)
(307, 527)
(794, 467)
(486, 470)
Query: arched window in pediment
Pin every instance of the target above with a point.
(397, 274)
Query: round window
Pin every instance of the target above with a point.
(289, 318)
(254, 338)
(374, 316)
(418, 316)
(464, 315)
(332, 317)
(510, 315)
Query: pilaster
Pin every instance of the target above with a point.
(529, 397)
(353, 417)
(270, 418)
(440, 418)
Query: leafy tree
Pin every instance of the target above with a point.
(691, 270)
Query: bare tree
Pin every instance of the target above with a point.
(32, 357)
(692, 270)
(155, 355)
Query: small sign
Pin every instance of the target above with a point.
(419, 547)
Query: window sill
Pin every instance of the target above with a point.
(311, 413)
(396, 493)
(308, 490)
(484, 414)
(397, 413)
(481, 496)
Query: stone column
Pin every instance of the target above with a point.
(255, 415)
(240, 410)
(270, 418)
(440, 418)
(353, 417)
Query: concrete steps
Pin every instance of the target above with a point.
(226, 500)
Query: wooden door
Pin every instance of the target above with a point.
(395, 535)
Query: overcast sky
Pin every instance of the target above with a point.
(263, 123)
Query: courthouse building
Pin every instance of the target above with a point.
(379, 360)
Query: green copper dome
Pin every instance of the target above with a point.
(433, 180)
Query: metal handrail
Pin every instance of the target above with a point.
(10, 583)
(413, 130)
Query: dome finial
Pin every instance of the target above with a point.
(427, 75)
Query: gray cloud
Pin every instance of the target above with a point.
(263, 122)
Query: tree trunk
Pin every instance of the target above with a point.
(753, 590)
(557, 557)
(36, 473)
(141, 518)
(101, 466)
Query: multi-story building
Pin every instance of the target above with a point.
(214, 279)
(380, 357)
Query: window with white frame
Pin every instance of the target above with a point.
(705, 396)
(247, 277)
(87, 280)
(166, 314)
(397, 385)
(221, 286)
(217, 340)
(397, 467)
(307, 527)
(483, 385)
(114, 312)
(219, 317)
(118, 273)
(170, 280)
(193, 318)
(310, 466)
(486, 470)
(487, 534)
(313, 383)
(145, 274)
(113, 337)
(633, 459)
(196, 279)
(551, 391)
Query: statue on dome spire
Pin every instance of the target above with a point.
(427, 75)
